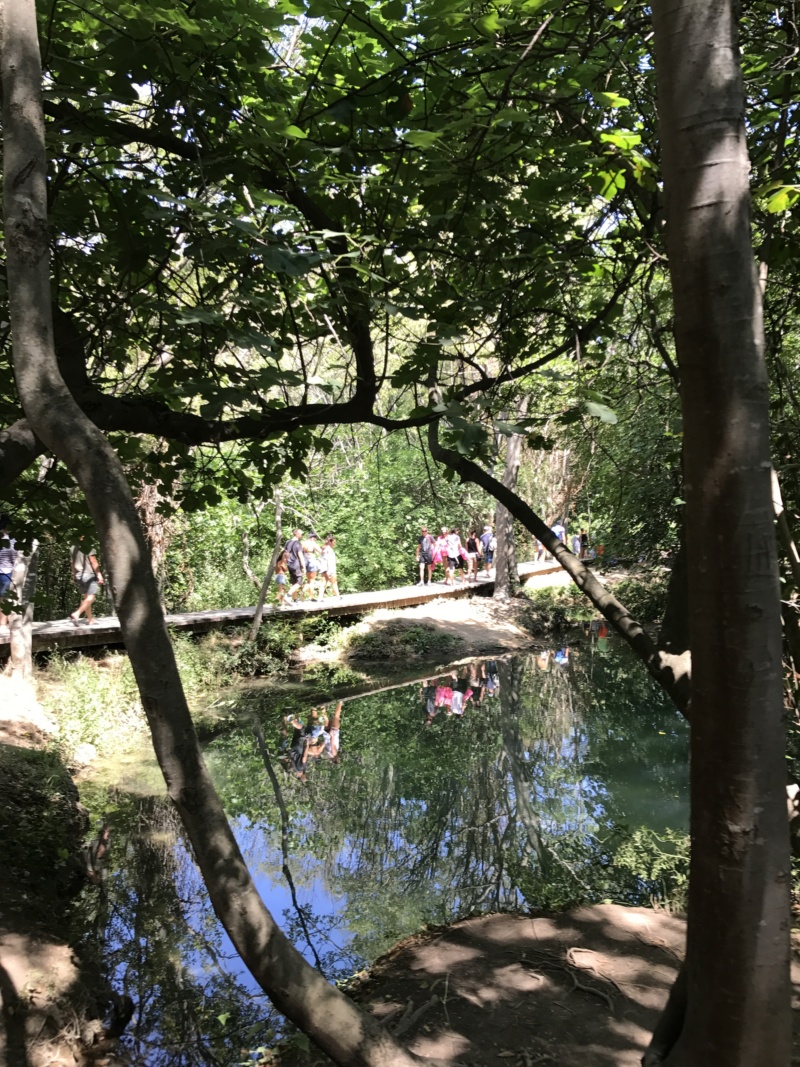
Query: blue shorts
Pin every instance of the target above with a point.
(5, 582)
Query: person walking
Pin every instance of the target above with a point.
(312, 552)
(8, 558)
(474, 553)
(295, 563)
(487, 537)
(440, 552)
(328, 568)
(453, 556)
(281, 570)
(87, 577)
(425, 557)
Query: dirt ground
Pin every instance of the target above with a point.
(483, 624)
(579, 989)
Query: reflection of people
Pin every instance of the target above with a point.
(427, 696)
(461, 694)
(602, 637)
(543, 660)
(330, 737)
(8, 557)
(306, 744)
(477, 681)
(88, 579)
(444, 695)
(492, 678)
(562, 657)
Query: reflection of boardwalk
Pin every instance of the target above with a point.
(62, 633)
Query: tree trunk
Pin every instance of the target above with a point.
(506, 576)
(347, 1035)
(737, 1006)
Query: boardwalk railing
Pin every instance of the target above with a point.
(63, 633)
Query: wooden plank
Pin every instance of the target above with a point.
(63, 633)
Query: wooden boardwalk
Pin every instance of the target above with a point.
(63, 633)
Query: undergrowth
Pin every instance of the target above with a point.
(394, 641)
(95, 700)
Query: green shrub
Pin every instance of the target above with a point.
(644, 597)
(393, 640)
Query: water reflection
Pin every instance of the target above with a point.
(511, 782)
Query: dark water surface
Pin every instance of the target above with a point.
(564, 780)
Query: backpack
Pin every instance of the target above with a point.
(427, 545)
(493, 544)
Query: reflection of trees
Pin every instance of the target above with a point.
(161, 946)
(515, 802)
(425, 824)
(418, 824)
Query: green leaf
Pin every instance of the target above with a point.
(783, 199)
(422, 138)
(295, 132)
(602, 412)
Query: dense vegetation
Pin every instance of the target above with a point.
(344, 252)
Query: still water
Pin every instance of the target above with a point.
(563, 779)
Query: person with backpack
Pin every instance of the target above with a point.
(489, 544)
(295, 563)
(425, 557)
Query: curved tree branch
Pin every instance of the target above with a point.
(671, 672)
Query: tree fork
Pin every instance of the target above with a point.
(339, 1028)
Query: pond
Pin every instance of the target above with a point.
(563, 780)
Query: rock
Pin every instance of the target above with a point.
(84, 754)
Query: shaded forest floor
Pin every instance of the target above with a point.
(579, 989)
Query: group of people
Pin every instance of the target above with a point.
(306, 569)
(578, 542)
(312, 741)
(451, 693)
(85, 570)
(460, 561)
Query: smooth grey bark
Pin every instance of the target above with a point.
(334, 1022)
(506, 580)
(737, 968)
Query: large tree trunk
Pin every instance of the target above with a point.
(336, 1025)
(737, 998)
